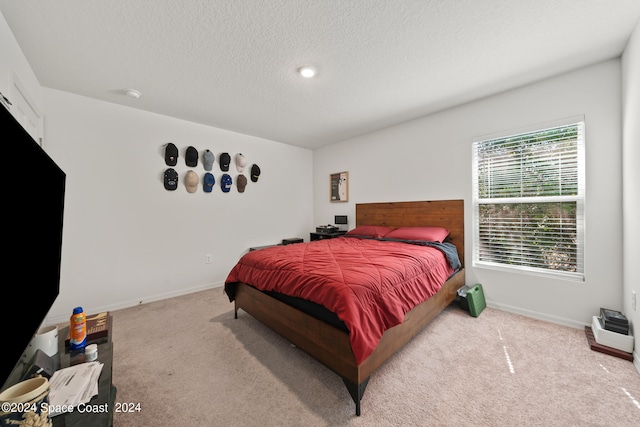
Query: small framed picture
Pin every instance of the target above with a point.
(339, 187)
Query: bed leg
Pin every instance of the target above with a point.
(356, 391)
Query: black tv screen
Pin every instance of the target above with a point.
(33, 205)
(340, 219)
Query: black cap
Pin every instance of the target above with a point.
(255, 173)
(171, 154)
(225, 160)
(170, 179)
(191, 157)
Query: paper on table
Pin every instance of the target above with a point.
(72, 386)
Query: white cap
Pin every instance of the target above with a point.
(191, 182)
(241, 162)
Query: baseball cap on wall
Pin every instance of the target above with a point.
(208, 182)
(191, 158)
(241, 162)
(255, 173)
(207, 160)
(191, 181)
(241, 182)
(225, 183)
(171, 154)
(170, 179)
(225, 159)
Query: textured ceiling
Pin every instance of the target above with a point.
(232, 64)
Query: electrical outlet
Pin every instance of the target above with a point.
(208, 258)
(633, 300)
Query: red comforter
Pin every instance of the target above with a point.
(369, 284)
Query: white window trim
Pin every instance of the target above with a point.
(580, 199)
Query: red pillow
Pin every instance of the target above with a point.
(375, 231)
(428, 234)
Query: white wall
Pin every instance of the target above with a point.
(430, 158)
(631, 181)
(128, 240)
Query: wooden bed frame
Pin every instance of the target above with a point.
(330, 345)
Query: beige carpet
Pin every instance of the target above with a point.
(188, 362)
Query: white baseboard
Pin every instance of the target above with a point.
(55, 320)
(536, 315)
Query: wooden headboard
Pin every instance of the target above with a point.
(436, 213)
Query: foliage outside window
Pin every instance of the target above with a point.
(528, 201)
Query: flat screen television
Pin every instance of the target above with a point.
(32, 204)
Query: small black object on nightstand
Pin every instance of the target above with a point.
(323, 236)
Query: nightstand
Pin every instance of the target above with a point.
(321, 236)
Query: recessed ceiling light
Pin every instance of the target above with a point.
(307, 71)
(133, 93)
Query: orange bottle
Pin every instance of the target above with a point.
(78, 329)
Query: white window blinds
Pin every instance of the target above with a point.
(528, 199)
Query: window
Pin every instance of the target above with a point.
(528, 201)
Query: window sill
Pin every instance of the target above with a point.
(559, 275)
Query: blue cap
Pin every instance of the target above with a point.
(209, 180)
(225, 183)
(77, 310)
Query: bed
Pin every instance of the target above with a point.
(329, 342)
